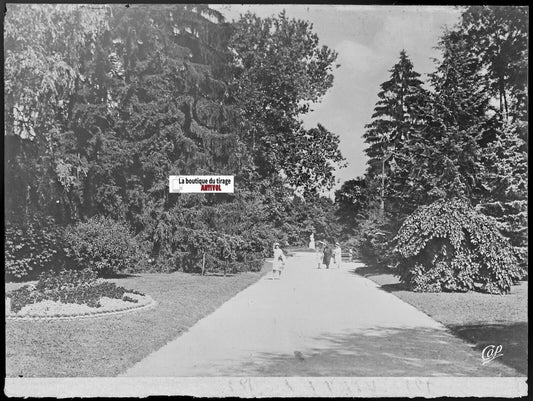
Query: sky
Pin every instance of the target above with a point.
(368, 40)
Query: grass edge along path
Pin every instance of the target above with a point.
(108, 345)
(479, 319)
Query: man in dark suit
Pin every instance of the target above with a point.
(327, 255)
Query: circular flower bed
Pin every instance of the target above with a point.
(72, 294)
(48, 309)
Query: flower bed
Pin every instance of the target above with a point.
(48, 309)
(72, 294)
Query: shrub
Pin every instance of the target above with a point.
(65, 279)
(375, 235)
(448, 246)
(223, 252)
(106, 246)
(32, 248)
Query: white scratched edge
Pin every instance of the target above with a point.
(506, 387)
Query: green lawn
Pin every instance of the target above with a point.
(107, 346)
(480, 319)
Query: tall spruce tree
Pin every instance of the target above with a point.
(398, 115)
(445, 154)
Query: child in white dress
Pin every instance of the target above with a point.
(319, 255)
(279, 261)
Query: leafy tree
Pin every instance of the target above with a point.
(351, 201)
(43, 49)
(498, 35)
(43, 46)
(148, 101)
(153, 104)
(280, 70)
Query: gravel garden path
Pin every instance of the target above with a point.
(317, 322)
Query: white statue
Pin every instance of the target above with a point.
(312, 241)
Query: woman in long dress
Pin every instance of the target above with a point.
(278, 263)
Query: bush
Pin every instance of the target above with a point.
(223, 252)
(68, 286)
(374, 238)
(32, 248)
(105, 246)
(65, 279)
(448, 246)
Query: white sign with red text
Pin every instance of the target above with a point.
(189, 184)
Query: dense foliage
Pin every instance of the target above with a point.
(351, 201)
(44, 48)
(448, 246)
(105, 246)
(103, 103)
(468, 140)
(374, 237)
(280, 70)
(507, 167)
(498, 37)
(32, 248)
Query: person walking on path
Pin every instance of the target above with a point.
(319, 254)
(327, 256)
(279, 262)
(337, 255)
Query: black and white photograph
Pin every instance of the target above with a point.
(266, 200)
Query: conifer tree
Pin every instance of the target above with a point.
(152, 103)
(506, 168)
(498, 37)
(398, 115)
(397, 112)
(445, 153)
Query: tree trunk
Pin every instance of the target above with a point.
(503, 106)
(203, 263)
(506, 107)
